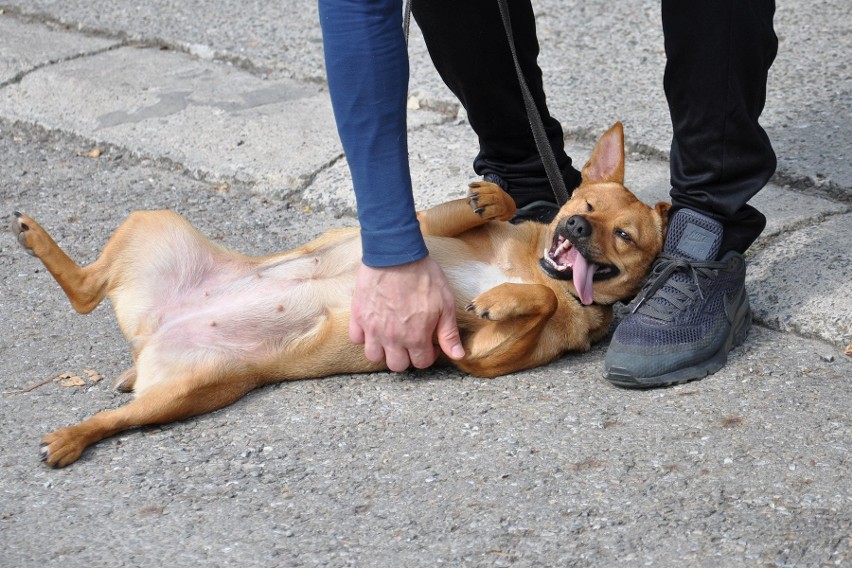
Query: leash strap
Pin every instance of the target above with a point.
(557, 184)
(406, 20)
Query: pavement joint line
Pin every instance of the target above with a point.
(767, 238)
(133, 40)
(197, 174)
(802, 183)
(58, 61)
(297, 194)
(293, 197)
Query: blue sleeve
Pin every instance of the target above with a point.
(367, 66)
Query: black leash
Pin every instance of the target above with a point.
(557, 184)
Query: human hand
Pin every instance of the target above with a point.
(396, 310)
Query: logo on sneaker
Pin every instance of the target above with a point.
(696, 242)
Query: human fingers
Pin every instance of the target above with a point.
(356, 332)
(448, 335)
(396, 359)
(423, 356)
(373, 350)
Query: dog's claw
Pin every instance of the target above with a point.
(43, 453)
(472, 308)
(19, 228)
(479, 211)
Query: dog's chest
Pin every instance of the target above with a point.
(473, 278)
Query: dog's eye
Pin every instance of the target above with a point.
(623, 236)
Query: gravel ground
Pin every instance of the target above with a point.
(550, 467)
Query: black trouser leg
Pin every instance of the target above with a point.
(718, 58)
(469, 48)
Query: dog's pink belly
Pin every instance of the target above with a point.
(238, 309)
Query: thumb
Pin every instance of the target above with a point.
(448, 335)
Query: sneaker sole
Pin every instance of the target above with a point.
(623, 378)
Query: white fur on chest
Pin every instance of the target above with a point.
(473, 278)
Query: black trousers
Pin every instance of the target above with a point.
(718, 57)
(468, 46)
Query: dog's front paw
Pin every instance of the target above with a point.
(61, 448)
(489, 305)
(489, 201)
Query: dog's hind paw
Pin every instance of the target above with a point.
(125, 381)
(20, 227)
(61, 448)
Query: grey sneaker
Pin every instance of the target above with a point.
(690, 313)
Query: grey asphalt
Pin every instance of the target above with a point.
(219, 110)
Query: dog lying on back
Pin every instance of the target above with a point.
(207, 325)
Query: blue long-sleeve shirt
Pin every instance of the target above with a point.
(367, 66)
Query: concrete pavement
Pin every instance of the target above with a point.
(219, 110)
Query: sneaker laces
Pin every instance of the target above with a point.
(678, 292)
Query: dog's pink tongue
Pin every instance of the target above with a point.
(583, 274)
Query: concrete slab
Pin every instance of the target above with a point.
(809, 102)
(442, 167)
(787, 210)
(279, 39)
(212, 118)
(801, 283)
(603, 61)
(441, 158)
(29, 46)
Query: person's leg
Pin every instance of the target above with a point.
(468, 46)
(694, 307)
(718, 58)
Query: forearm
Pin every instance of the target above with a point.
(367, 67)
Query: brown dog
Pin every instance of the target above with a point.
(207, 325)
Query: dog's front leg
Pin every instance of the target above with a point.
(515, 315)
(485, 202)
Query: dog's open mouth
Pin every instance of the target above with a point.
(564, 262)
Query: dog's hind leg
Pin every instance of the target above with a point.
(164, 402)
(85, 287)
(125, 381)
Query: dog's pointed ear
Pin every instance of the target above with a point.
(662, 208)
(607, 161)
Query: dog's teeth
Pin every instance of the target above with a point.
(552, 261)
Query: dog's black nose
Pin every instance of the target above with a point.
(578, 227)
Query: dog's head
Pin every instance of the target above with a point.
(604, 239)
